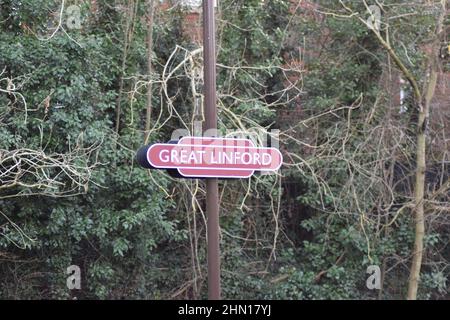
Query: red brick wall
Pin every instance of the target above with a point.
(192, 27)
(192, 24)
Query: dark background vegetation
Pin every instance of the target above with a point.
(136, 236)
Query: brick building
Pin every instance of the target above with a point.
(192, 28)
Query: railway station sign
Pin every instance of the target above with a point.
(205, 157)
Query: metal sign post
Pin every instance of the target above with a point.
(210, 158)
(212, 184)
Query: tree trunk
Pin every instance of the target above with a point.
(129, 30)
(150, 16)
(419, 190)
(422, 124)
(423, 102)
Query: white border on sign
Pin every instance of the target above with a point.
(214, 176)
(205, 168)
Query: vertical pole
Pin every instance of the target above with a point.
(212, 185)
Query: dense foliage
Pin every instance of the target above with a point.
(310, 234)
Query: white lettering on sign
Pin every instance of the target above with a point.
(247, 156)
(185, 156)
(164, 156)
(257, 157)
(174, 156)
(268, 158)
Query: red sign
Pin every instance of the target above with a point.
(196, 157)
